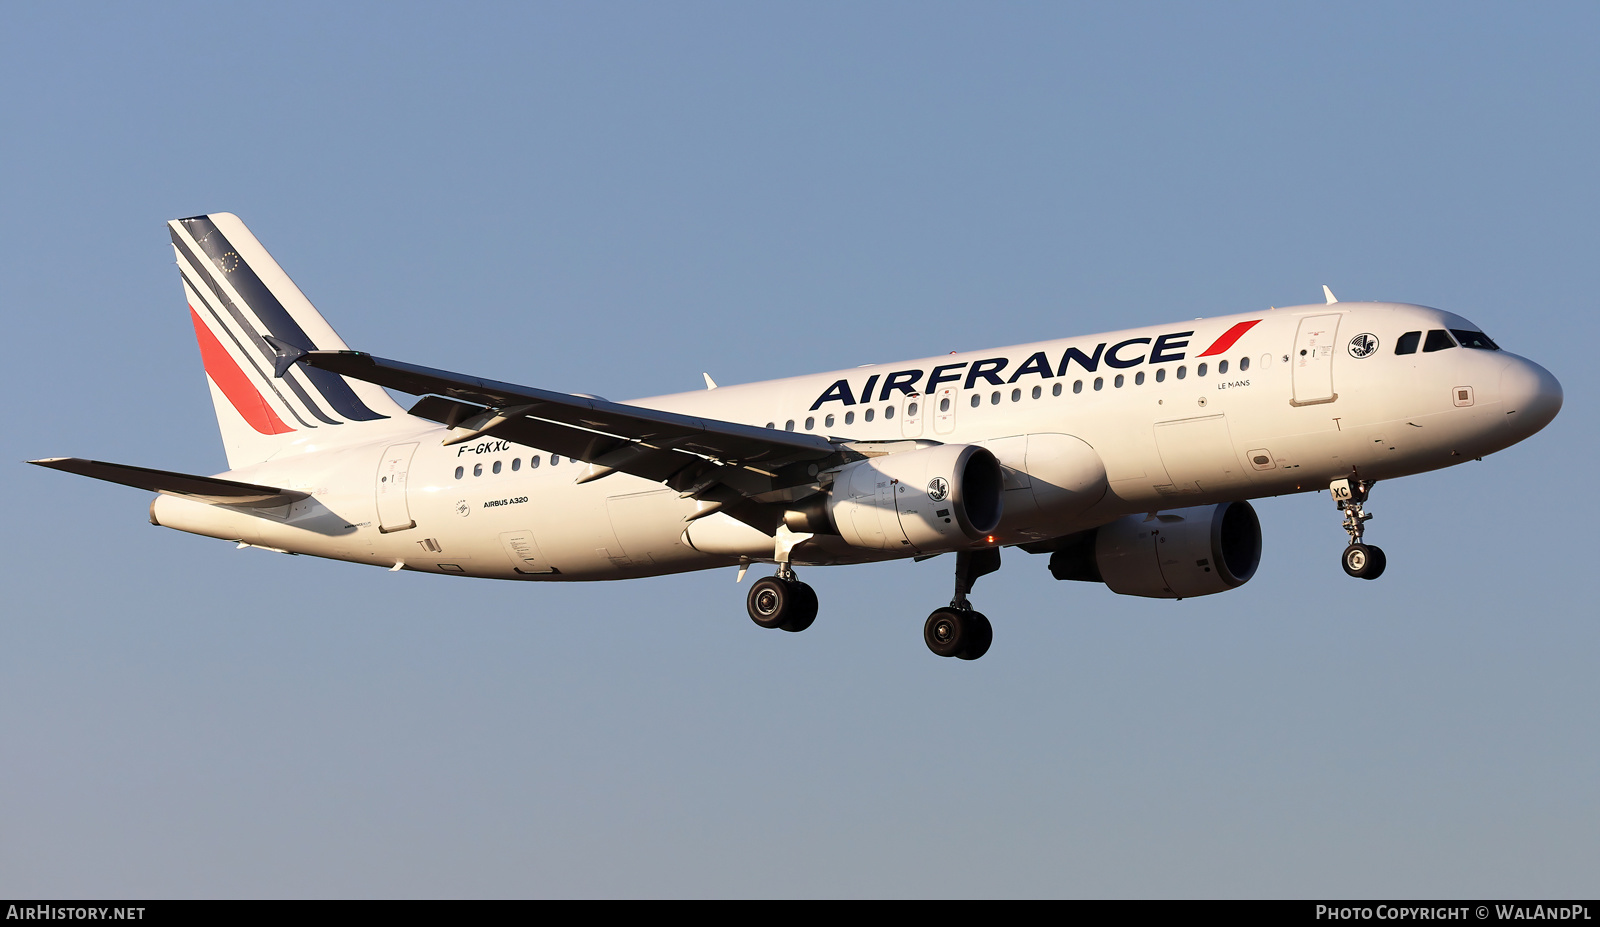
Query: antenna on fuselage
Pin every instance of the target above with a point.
(1329, 293)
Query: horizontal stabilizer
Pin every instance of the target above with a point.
(199, 488)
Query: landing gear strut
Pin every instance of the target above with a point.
(1363, 561)
(957, 630)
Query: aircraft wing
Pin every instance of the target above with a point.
(706, 458)
(208, 489)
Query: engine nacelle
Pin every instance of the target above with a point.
(931, 499)
(1184, 552)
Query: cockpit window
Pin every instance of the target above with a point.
(1474, 340)
(1438, 340)
(1408, 343)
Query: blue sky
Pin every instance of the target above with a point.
(611, 199)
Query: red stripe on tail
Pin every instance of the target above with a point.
(225, 372)
(1229, 337)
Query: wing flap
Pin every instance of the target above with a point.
(730, 442)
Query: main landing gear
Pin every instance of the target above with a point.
(957, 630)
(1363, 561)
(782, 602)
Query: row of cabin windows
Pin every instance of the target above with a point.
(516, 464)
(1117, 382)
(1440, 340)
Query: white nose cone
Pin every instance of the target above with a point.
(1531, 395)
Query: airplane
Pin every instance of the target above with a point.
(1127, 458)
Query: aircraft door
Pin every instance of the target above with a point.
(911, 414)
(1313, 360)
(944, 410)
(394, 514)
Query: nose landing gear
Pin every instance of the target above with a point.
(957, 630)
(1363, 561)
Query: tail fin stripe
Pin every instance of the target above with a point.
(279, 323)
(224, 371)
(244, 352)
(219, 296)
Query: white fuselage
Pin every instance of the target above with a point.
(1294, 402)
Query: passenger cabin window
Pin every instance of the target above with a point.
(1117, 382)
(888, 411)
(789, 425)
(811, 422)
(1438, 340)
(1161, 374)
(828, 422)
(1408, 343)
(516, 464)
(1099, 382)
(976, 400)
(1244, 364)
(1077, 386)
(849, 418)
(497, 466)
(868, 416)
(1477, 340)
(1200, 371)
(459, 472)
(1038, 391)
(1055, 390)
(1222, 367)
(533, 462)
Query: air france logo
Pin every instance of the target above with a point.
(939, 489)
(1363, 345)
(1044, 365)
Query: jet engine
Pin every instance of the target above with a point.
(1169, 555)
(927, 500)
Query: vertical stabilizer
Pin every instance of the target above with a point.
(238, 296)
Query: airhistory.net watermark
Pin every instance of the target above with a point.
(69, 913)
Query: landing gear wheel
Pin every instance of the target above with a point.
(958, 632)
(1363, 561)
(804, 608)
(982, 636)
(771, 602)
(1379, 561)
(946, 632)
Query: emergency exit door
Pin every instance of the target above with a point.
(394, 514)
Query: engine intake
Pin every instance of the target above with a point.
(1201, 550)
(930, 499)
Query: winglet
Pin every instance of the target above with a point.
(1329, 293)
(710, 383)
(284, 356)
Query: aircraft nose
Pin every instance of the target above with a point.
(1532, 396)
